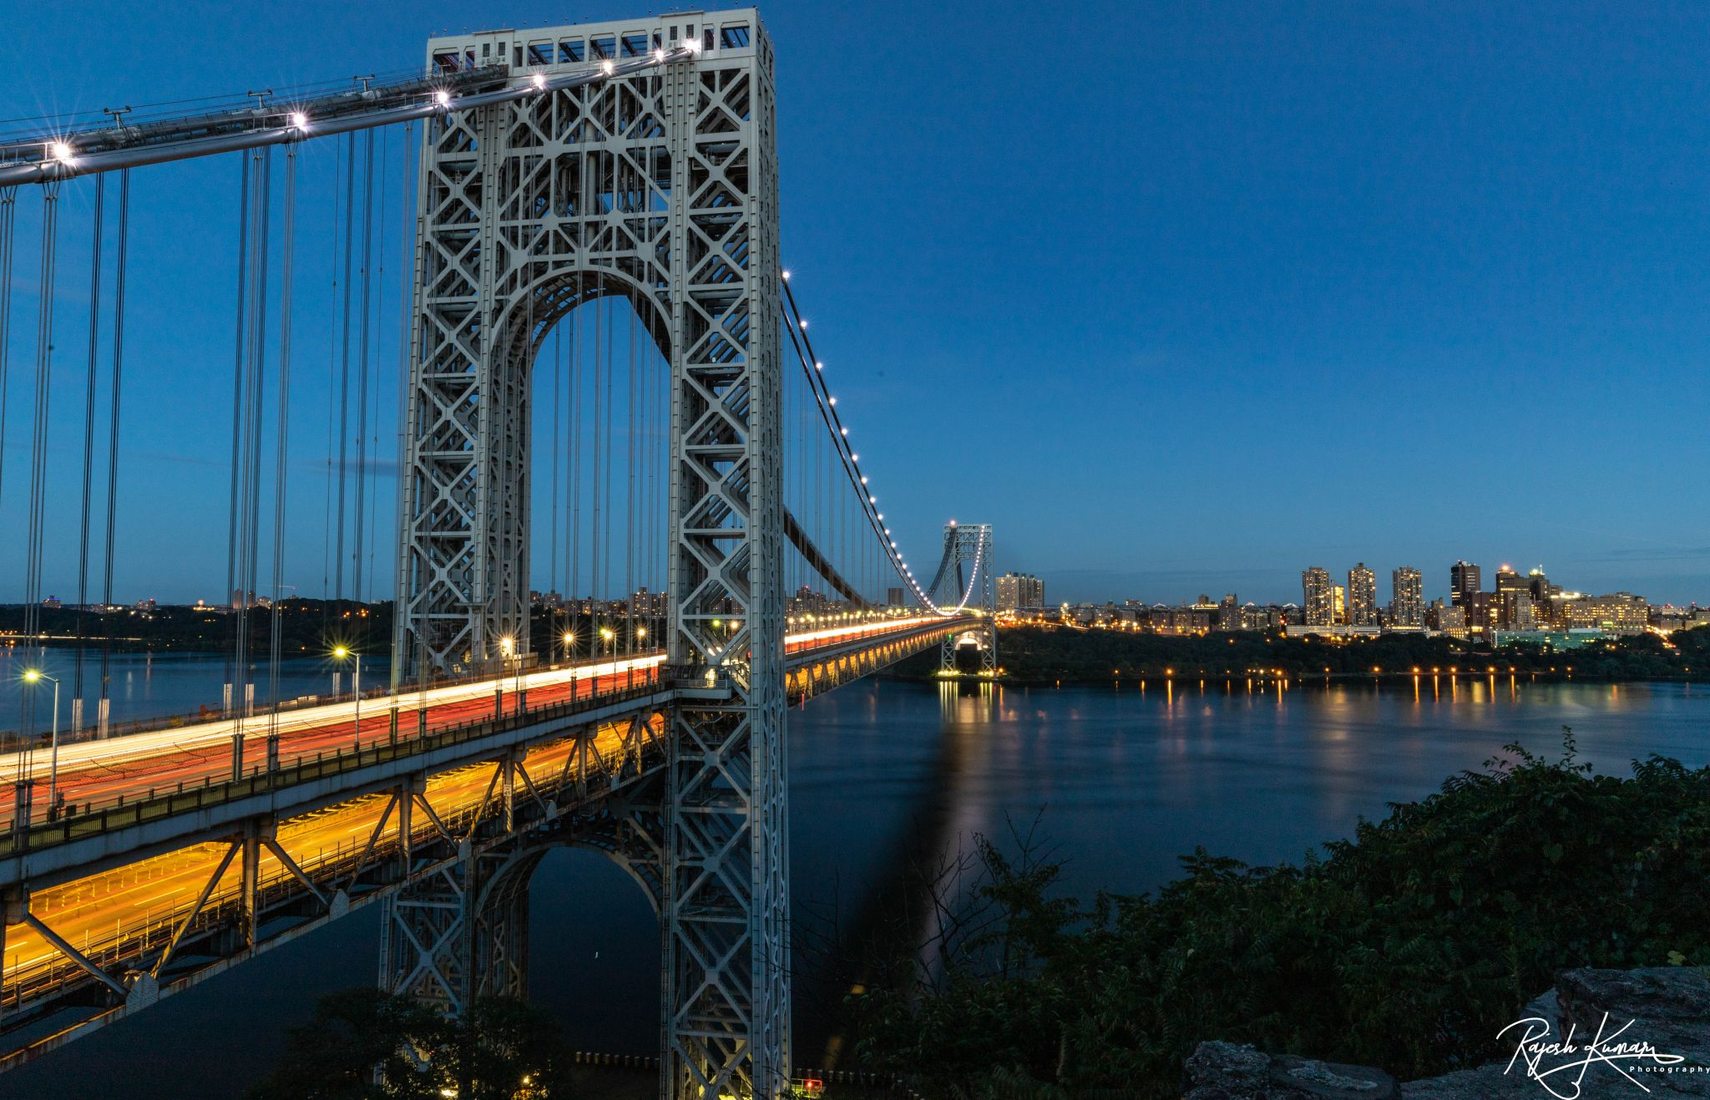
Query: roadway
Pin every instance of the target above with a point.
(93, 774)
(128, 912)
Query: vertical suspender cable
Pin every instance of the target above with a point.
(327, 554)
(573, 518)
(250, 447)
(630, 509)
(8, 210)
(376, 373)
(242, 307)
(557, 442)
(88, 449)
(362, 365)
(596, 548)
(406, 309)
(102, 715)
(280, 467)
(38, 450)
(344, 375)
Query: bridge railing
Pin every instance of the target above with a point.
(94, 819)
(13, 741)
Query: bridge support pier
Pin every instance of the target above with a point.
(461, 933)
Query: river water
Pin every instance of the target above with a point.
(886, 774)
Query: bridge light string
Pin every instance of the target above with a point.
(813, 369)
(63, 155)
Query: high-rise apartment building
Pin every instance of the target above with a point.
(1362, 596)
(1514, 607)
(1407, 597)
(1465, 579)
(1319, 602)
(1018, 591)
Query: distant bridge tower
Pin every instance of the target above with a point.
(964, 581)
(659, 186)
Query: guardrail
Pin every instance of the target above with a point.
(92, 821)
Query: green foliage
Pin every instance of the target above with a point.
(363, 1044)
(1407, 946)
(1042, 654)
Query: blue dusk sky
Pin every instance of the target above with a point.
(1181, 297)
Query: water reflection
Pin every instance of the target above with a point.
(886, 777)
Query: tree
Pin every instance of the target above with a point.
(362, 1044)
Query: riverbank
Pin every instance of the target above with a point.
(1038, 654)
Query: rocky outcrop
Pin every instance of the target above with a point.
(1669, 1008)
(1236, 1071)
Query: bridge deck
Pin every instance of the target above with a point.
(143, 893)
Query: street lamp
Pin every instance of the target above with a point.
(569, 640)
(34, 676)
(610, 637)
(340, 653)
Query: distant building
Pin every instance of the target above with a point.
(1228, 613)
(1544, 596)
(1514, 609)
(894, 596)
(1319, 603)
(1362, 596)
(1618, 613)
(1338, 605)
(1446, 619)
(52, 603)
(1019, 591)
(1465, 579)
(1407, 597)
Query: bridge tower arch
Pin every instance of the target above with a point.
(660, 185)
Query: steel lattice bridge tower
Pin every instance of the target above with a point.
(661, 188)
(632, 160)
(964, 581)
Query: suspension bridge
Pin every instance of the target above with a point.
(582, 228)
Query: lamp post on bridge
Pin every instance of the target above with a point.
(343, 652)
(34, 676)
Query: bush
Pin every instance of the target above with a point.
(1408, 946)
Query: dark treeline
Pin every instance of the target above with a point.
(1036, 654)
(307, 627)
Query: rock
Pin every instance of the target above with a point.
(1669, 1007)
(1237, 1071)
(1484, 1083)
(1545, 1006)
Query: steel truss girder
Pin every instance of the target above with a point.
(660, 187)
